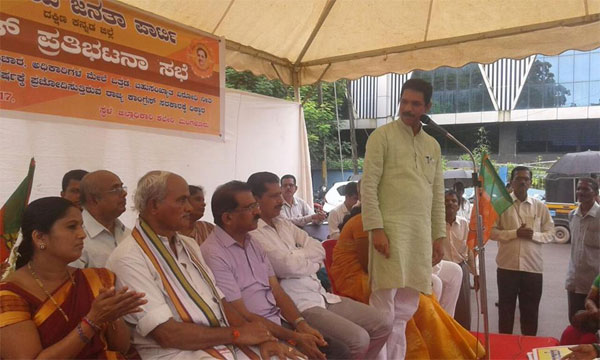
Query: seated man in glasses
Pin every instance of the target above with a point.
(103, 201)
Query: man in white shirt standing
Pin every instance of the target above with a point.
(520, 231)
(103, 200)
(295, 209)
(336, 216)
(296, 258)
(584, 264)
(456, 250)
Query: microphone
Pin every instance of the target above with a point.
(427, 121)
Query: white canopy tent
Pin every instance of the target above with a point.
(302, 42)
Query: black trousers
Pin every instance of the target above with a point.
(576, 302)
(528, 288)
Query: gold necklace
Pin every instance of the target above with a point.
(41, 285)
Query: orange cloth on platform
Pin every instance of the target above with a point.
(431, 334)
(18, 305)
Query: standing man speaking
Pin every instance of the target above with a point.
(403, 210)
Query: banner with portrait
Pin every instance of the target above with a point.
(102, 60)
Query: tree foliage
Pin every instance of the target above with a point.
(542, 88)
(483, 146)
(257, 84)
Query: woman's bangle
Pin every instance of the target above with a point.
(92, 324)
(82, 336)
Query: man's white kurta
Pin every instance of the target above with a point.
(402, 191)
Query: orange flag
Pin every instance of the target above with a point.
(494, 199)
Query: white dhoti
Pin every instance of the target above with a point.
(400, 304)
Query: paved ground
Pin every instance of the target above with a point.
(553, 306)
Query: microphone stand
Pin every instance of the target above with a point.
(479, 249)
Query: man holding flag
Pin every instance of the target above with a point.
(520, 231)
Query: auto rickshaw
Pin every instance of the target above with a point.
(561, 183)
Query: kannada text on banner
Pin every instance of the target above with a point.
(101, 60)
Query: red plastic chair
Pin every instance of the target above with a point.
(328, 245)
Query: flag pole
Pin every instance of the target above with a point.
(479, 249)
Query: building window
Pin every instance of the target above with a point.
(457, 90)
(565, 80)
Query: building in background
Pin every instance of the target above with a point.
(540, 106)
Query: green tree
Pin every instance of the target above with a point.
(542, 89)
(257, 84)
(482, 143)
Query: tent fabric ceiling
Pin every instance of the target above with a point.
(304, 41)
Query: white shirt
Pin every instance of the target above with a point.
(464, 210)
(522, 254)
(134, 270)
(298, 212)
(296, 258)
(455, 244)
(99, 243)
(336, 216)
(584, 265)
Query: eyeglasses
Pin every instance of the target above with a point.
(250, 207)
(118, 190)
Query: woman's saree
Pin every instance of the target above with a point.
(17, 305)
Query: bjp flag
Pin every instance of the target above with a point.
(11, 213)
(494, 199)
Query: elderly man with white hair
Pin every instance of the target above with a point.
(185, 316)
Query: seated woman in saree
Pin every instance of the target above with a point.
(197, 229)
(51, 310)
(431, 333)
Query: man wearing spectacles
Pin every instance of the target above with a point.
(245, 276)
(103, 198)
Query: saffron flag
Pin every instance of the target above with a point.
(11, 213)
(494, 199)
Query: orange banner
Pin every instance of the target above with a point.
(102, 60)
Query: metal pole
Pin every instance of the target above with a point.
(479, 249)
(337, 117)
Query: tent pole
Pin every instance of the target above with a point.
(312, 89)
(296, 85)
(337, 117)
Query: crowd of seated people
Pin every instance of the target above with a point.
(173, 286)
